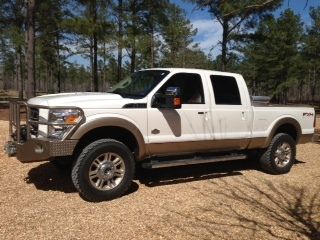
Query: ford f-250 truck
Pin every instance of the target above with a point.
(157, 118)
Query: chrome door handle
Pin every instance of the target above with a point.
(243, 116)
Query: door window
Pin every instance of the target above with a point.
(226, 91)
(190, 85)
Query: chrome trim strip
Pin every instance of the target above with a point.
(192, 161)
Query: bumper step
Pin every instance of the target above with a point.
(156, 163)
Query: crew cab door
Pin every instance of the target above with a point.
(173, 130)
(231, 112)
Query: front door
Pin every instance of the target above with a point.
(180, 130)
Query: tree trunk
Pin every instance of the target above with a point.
(152, 48)
(134, 35)
(120, 36)
(224, 48)
(104, 76)
(19, 74)
(94, 84)
(47, 77)
(91, 65)
(95, 64)
(133, 58)
(58, 63)
(31, 83)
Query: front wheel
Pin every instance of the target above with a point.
(280, 155)
(103, 171)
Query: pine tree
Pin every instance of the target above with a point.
(271, 61)
(178, 35)
(89, 25)
(232, 14)
(12, 27)
(311, 52)
(30, 55)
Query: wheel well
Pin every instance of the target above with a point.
(117, 133)
(288, 129)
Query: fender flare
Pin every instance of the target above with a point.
(112, 122)
(280, 122)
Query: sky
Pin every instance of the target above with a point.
(209, 30)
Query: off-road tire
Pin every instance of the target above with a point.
(80, 170)
(267, 159)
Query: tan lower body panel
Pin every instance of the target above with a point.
(176, 148)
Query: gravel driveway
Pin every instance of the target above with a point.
(214, 201)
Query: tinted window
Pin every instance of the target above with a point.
(226, 91)
(190, 85)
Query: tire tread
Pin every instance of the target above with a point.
(266, 161)
(75, 173)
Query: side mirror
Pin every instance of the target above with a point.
(170, 100)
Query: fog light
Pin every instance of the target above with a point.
(38, 149)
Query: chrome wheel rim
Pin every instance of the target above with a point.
(106, 171)
(283, 154)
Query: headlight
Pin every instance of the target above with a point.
(62, 121)
(65, 116)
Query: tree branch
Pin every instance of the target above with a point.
(236, 25)
(248, 9)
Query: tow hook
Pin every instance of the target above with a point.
(10, 149)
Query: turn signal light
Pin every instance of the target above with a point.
(72, 119)
(177, 102)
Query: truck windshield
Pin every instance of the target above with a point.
(139, 84)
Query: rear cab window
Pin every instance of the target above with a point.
(226, 90)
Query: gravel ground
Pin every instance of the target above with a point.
(214, 201)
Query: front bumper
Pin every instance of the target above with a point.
(36, 150)
(24, 130)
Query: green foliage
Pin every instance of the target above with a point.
(235, 16)
(271, 61)
(278, 56)
(177, 33)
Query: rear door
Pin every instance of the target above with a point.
(230, 112)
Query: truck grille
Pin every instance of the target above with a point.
(34, 116)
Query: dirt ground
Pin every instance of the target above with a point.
(213, 201)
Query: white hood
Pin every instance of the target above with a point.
(82, 100)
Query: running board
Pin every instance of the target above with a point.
(191, 161)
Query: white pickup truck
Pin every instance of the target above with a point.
(157, 118)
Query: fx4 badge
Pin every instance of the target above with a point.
(308, 114)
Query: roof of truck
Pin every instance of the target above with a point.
(193, 70)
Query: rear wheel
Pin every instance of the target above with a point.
(104, 170)
(280, 155)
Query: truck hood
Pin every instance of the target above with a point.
(81, 100)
